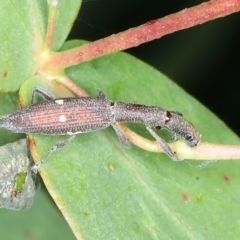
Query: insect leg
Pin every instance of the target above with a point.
(164, 145)
(42, 92)
(174, 137)
(122, 138)
(53, 149)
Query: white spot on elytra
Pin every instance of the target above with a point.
(62, 118)
(60, 101)
(71, 133)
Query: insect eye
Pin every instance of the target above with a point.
(188, 138)
(168, 117)
(158, 128)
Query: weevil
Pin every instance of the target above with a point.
(71, 116)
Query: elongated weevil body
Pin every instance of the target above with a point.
(71, 116)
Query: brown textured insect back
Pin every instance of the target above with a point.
(61, 116)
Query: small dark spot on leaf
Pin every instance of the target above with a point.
(197, 178)
(129, 188)
(205, 228)
(5, 74)
(185, 197)
(28, 234)
(226, 178)
(87, 214)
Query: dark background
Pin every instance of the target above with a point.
(204, 60)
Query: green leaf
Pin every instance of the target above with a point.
(21, 38)
(106, 191)
(66, 14)
(23, 34)
(42, 221)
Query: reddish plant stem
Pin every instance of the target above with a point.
(147, 32)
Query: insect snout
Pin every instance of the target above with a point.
(182, 128)
(193, 140)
